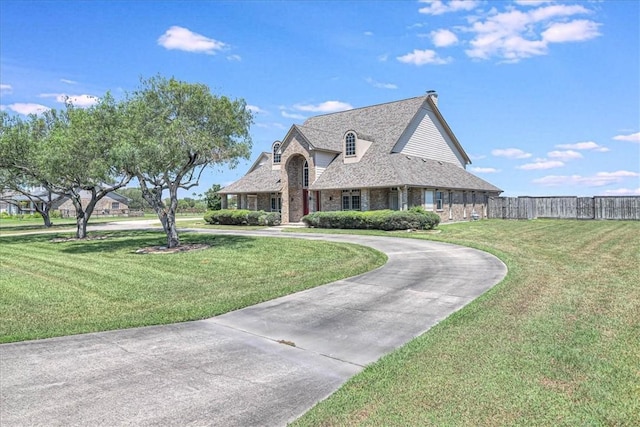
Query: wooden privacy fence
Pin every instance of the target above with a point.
(599, 207)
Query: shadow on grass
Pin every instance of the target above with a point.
(126, 240)
(133, 240)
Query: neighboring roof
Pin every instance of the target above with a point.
(394, 170)
(261, 179)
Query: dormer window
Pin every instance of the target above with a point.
(350, 144)
(276, 153)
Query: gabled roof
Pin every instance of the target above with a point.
(261, 178)
(386, 122)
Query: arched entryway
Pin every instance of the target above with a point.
(298, 185)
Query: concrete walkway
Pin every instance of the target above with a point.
(264, 365)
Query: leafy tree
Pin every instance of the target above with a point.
(177, 130)
(213, 199)
(84, 155)
(136, 201)
(21, 173)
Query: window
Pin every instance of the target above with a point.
(305, 175)
(428, 200)
(276, 153)
(439, 200)
(115, 205)
(350, 200)
(276, 202)
(350, 144)
(393, 199)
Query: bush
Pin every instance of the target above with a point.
(242, 217)
(415, 219)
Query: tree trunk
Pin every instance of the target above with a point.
(172, 232)
(81, 225)
(44, 213)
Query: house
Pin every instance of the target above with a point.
(113, 204)
(388, 156)
(13, 203)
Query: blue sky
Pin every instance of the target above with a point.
(543, 95)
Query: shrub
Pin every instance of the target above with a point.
(417, 219)
(242, 217)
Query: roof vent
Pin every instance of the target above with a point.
(424, 160)
(409, 157)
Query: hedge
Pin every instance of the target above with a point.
(414, 219)
(242, 217)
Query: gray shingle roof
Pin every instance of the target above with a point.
(383, 124)
(321, 139)
(262, 179)
(394, 170)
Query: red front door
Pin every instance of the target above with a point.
(305, 202)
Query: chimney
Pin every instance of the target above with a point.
(433, 95)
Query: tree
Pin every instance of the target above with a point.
(213, 199)
(85, 155)
(178, 129)
(136, 201)
(21, 173)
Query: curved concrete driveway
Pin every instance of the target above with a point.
(231, 369)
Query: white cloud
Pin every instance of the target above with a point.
(587, 145)
(633, 137)
(383, 58)
(27, 108)
(421, 57)
(484, 170)
(273, 125)
(368, 33)
(69, 82)
(532, 2)
(180, 38)
(236, 58)
(574, 31)
(324, 107)
(598, 180)
(564, 154)
(380, 85)
(438, 7)
(255, 109)
(510, 153)
(623, 192)
(516, 34)
(294, 116)
(541, 164)
(443, 38)
(5, 88)
(76, 100)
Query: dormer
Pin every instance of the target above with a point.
(354, 146)
(276, 155)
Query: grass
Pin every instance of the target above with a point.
(556, 343)
(52, 289)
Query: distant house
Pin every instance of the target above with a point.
(388, 156)
(113, 204)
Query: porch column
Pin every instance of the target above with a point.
(405, 197)
(224, 202)
(364, 199)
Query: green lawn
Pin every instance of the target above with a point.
(556, 343)
(52, 289)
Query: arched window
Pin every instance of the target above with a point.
(350, 144)
(276, 153)
(305, 175)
